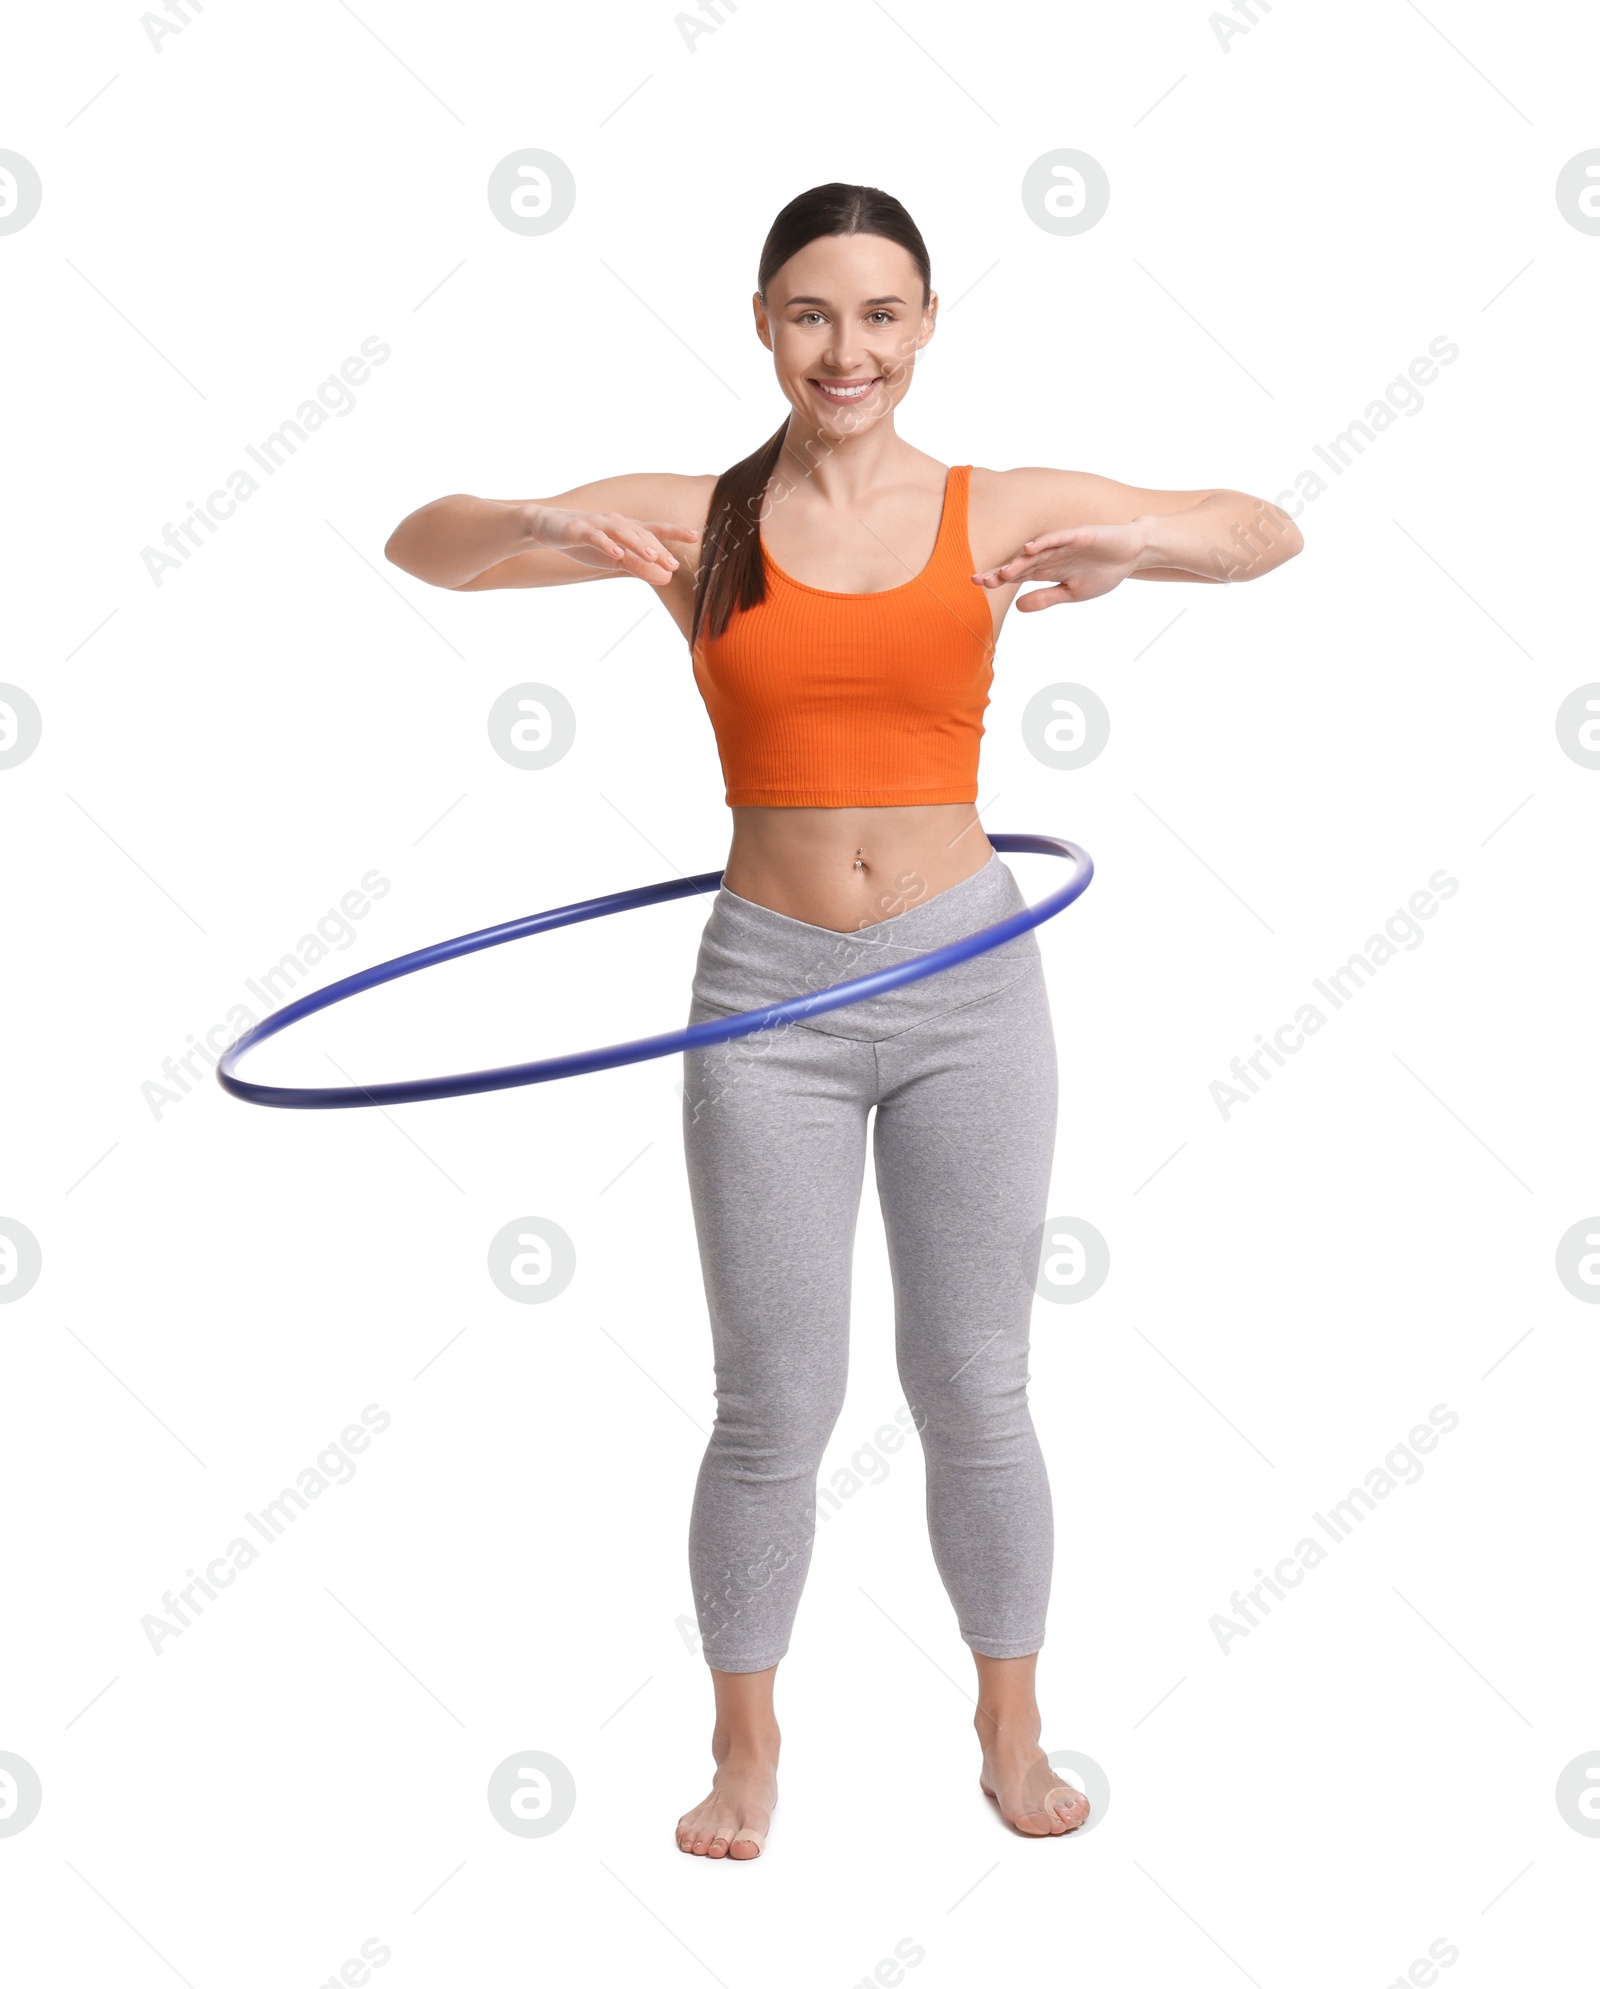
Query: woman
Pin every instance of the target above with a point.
(845, 669)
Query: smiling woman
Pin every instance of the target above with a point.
(840, 593)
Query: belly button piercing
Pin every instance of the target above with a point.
(859, 865)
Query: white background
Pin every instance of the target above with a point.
(1372, 1768)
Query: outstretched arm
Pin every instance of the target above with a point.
(618, 525)
(1085, 534)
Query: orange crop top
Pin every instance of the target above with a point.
(826, 700)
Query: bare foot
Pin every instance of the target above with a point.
(1033, 1798)
(734, 1819)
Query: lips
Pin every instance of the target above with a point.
(845, 393)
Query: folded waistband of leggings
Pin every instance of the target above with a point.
(751, 956)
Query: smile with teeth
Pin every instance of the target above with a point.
(845, 390)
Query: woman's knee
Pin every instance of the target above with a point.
(781, 1432)
(978, 1407)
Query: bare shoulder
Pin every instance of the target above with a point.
(1008, 507)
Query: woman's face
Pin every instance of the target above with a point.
(843, 321)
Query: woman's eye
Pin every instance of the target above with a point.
(886, 317)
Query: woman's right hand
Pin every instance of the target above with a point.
(610, 540)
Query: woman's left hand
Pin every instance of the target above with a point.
(1082, 561)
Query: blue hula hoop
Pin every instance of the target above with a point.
(411, 1091)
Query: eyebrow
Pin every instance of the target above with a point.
(823, 300)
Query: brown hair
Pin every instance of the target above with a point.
(731, 574)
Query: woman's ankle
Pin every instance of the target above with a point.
(746, 1747)
(1008, 1725)
(1006, 1711)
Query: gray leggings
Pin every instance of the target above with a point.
(962, 1069)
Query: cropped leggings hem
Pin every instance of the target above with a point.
(990, 1647)
(1005, 1647)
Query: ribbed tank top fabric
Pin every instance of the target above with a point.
(826, 700)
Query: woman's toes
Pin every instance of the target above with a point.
(1036, 1803)
(715, 1828)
